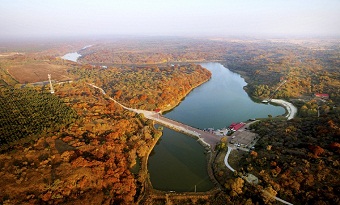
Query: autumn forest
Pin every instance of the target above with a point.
(77, 146)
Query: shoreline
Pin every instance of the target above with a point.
(171, 107)
(148, 189)
(289, 107)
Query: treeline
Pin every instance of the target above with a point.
(26, 112)
(146, 87)
(152, 51)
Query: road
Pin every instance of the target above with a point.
(226, 159)
(292, 110)
(206, 138)
(230, 148)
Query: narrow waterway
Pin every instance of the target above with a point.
(215, 104)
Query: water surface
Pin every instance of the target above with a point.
(178, 162)
(220, 101)
(71, 56)
(75, 55)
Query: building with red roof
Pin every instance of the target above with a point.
(236, 126)
(322, 95)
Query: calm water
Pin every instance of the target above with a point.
(71, 56)
(178, 162)
(220, 101)
(74, 56)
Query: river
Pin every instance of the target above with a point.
(178, 162)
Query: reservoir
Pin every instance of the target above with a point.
(178, 162)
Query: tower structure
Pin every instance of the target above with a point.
(51, 86)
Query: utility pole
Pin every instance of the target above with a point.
(51, 86)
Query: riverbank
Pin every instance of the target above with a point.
(289, 107)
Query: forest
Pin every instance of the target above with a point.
(295, 160)
(309, 66)
(302, 162)
(89, 159)
(307, 70)
(150, 51)
(148, 88)
(87, 152)
(26, 112)
(80, 146)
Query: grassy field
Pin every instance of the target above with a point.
(29, 68)
(36, 71)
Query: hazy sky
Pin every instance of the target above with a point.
(50, 18)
